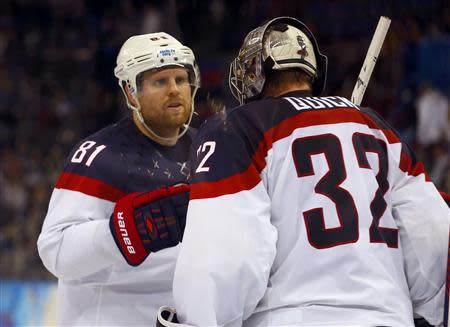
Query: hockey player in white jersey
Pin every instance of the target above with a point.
(306, 210)
(100, 221)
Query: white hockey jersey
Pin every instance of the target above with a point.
(96, 286)
(309, 211)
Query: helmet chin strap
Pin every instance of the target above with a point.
(158, 138)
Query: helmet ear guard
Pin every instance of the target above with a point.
(280, 44)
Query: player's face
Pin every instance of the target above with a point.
(165, 99)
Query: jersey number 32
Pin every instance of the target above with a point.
(330, 186)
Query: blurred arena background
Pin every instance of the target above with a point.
(57, 86)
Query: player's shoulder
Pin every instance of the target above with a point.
(375, 117)
(256, 110)
(97, 165)
(100, 151)
(241, 118)
(113, 134)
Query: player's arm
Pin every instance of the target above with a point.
(75, 240)
(446, 197)
(229, 243)
(78, 237)
(423, 219)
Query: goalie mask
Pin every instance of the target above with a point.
(154, 51)
(282, 43)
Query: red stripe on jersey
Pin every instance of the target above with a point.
(407, 166)
(446, 197)
(248, 179)
(239, 182)
(89, 186)
(390, 136)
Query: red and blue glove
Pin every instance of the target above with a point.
(144, 222)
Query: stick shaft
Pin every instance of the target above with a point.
(370, 60)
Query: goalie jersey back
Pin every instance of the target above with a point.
(319, 213)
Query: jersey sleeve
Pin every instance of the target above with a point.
(75, 240)
(423, 220)
(229, 243)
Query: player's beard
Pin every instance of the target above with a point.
(176, 117)
(166, 119)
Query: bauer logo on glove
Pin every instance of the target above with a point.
(145, 222)
(124, 233)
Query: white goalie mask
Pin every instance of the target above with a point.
(280, 44)
(141, 53)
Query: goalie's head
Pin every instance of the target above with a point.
(283, 43)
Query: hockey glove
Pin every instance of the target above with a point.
(144, 222)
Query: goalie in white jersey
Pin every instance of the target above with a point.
(306, 210)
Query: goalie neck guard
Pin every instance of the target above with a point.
(280, 44)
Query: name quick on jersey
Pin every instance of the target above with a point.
(124, 233)
(320, 103)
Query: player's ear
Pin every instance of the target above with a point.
(132, 96)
